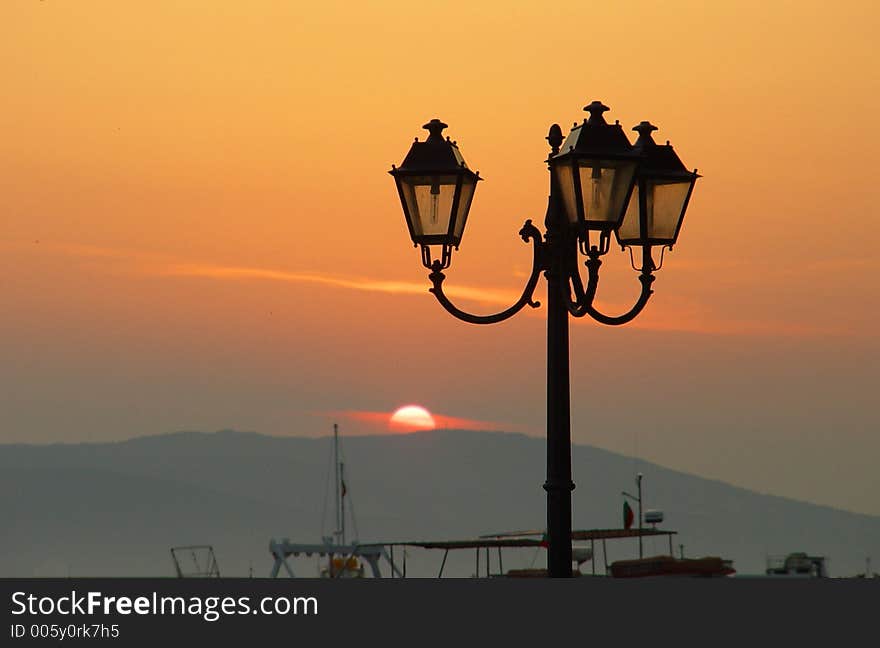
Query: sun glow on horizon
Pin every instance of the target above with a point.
(412, 417)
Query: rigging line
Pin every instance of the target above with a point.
(349, 496)
(326, 496)
(534, 558)
(354, 523)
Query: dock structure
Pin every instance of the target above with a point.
(375, 553)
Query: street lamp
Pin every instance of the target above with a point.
(436, 189)
(599, 184)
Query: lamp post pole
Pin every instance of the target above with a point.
(559, 484)
(593, 174)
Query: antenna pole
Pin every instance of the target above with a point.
(639, 484)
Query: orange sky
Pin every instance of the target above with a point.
(198, 230)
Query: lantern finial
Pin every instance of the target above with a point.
(435, 128)
(644, 129)
(596, 109)
(555, 138)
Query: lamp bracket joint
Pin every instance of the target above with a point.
(551, 486)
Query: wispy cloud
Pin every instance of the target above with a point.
(368, 284)
(379, 422)
(684, 317)
(162, 265)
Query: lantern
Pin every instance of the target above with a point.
(660, 197)
(594, 172)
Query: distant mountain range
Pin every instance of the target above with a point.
(115, 509)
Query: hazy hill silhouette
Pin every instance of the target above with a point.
(117, 508)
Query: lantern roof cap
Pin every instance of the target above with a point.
(435, 155)
(595, 137)
(435, 129)
(644, 129)
(596, 108)
(658, 159)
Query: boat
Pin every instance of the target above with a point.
(339, 556)
(707, 567)
(664, 564)
(797, 564)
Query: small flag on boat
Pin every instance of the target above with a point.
(344, 489)
(628, 515)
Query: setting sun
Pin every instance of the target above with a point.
(413, 416)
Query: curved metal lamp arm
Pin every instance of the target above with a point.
(527, 232)
(582, 298)
(584, 304)
(647, 279)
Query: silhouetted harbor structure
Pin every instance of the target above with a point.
(489, 552)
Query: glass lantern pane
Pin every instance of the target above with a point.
(429, 201)
(630, 231)
(468, 186)
(667, 203)
(604, 185)
(566, 188)
(664, 204)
